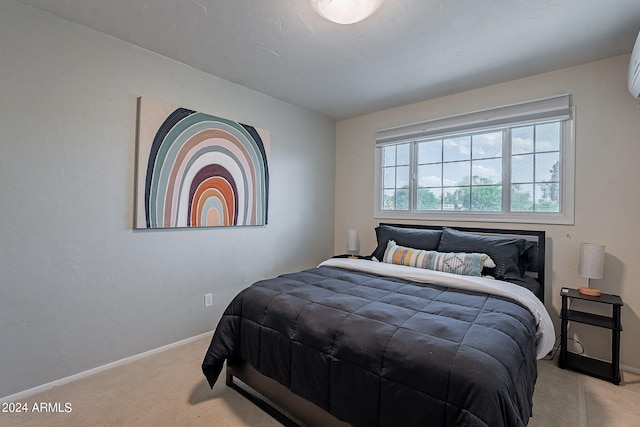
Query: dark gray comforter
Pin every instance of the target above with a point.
(373, 350)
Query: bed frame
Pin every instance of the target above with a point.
(290, 409)
(272, 397)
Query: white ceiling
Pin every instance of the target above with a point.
(410, 50)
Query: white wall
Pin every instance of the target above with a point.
(607, 198)
(78, 287)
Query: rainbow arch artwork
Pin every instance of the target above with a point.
(199, 170)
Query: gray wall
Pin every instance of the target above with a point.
(78, 287)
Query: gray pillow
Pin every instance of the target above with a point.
(506, 252)
(416, 238)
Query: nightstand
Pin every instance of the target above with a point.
(609, 371)
(352, 256)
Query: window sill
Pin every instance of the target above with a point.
(525, 218)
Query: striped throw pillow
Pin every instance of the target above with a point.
(468, 264)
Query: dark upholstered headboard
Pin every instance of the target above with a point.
(536, 266)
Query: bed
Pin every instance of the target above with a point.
(439, 326)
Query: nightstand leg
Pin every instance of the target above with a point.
(563, 333)
(615, 345)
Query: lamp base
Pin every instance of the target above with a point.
(590, 292)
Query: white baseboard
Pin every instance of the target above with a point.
(57, 383)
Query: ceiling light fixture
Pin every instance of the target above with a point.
(346, 11)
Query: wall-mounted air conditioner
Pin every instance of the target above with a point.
(634, 70)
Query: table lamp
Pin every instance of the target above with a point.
(353, 242)
(591, 265)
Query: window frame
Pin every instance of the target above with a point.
(522, 116)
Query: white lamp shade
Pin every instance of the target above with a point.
(346, 11)
(591, 261)
(353, 241)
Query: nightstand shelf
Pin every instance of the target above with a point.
(609, 371)
(352, 256)
(591, 319)
(594, 367)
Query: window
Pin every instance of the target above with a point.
(510, 164)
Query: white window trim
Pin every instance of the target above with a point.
(508, 116)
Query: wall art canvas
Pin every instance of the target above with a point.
(198, 170)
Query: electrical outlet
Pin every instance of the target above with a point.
(208, 300)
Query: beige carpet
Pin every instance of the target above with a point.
(168, 389)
